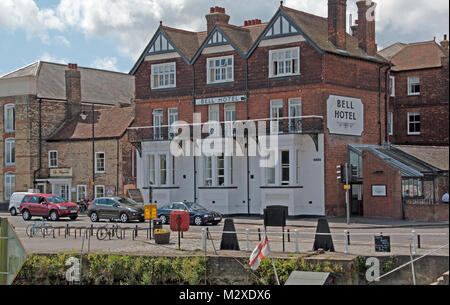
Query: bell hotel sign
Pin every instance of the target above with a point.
(345, 115)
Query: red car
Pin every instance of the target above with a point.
(48, 206)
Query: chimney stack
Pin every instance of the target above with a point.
(366, 26)
(445, 44)
(337, 23)
(216, 15)
(73, 91)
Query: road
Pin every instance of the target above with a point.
(361, 238)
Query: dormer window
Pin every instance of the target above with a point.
(164, 76)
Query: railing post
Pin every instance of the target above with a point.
(247, 246)
(414, 237)
(297, 249)
(204, 239)
(346, 242)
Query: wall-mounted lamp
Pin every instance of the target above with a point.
(83, 116)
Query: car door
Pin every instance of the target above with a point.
(35, 207)
(113, 208)
(102, 207)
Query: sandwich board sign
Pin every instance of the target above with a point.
(150, 211)
(12, 253)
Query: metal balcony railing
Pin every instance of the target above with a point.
(278, 126)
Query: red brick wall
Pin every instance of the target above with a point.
(432, 104)
(389, 206)
(423, 212)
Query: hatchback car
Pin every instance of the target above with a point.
(198, 215)
(113, 208)
(48, 206)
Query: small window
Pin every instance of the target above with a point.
(414, 123)
(208, 171)
(10, 118)
(285, 168)
(164, 76)
(412, 188)
(100, 162)
(285, 62)
(99, 191)
(391, 123)
(220, 69)
(414, 85)
(173, 118)
(163, 169)
(151, 170)
(53, 159)
(392, 85)
(220, 170)
(158, 116)
(10, 183)
(10, 152)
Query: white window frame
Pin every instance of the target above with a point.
(81, 186)
(229, 73)
(50, 159)
(412, 80)
(97, 170)
(10, 120)
(275, 115)
(391, 123)
(217, 171)
(96, 191)
(295, 125)
(392, 85)
(9, 187)
(151, 169)
(214, 119)
(208, 179)
(163, 171)
(229, 111)
(274, 56)
(10, 151)
(410, 114)
(270, 172)
(157, 125)
(163, 75)
(172, 115)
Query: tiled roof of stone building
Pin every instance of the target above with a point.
(97, 86)
(108, 123)
(413, 56)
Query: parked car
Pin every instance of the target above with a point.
(112, 208)
(15, 201)
(198, 215)
(48, 206)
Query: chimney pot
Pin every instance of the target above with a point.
(211, 10)
(217, 15)
(337, 23)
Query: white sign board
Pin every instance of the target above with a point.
(379, 191)
(345, 115)
(221, 100)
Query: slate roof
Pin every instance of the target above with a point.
(437, 156)
(108, 123)
(413, 56)
(246, 38)
(97, 86)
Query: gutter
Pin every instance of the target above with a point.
(40, 144)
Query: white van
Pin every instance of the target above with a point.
(14, 203)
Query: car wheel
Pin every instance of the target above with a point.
(13, 212)
(26, 215)
(54, 215)
(198, 221)
(124, 217)
(163, 219)
(94, 217)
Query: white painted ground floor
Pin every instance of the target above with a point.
(234, 185)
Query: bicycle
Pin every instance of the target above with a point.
(110, 231)
(39, 226)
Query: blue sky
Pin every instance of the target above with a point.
(111, 34)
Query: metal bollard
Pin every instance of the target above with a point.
(137, 231)
(297, 249)
(204, 239)
(419, 244)
(346, 242)
(289, 235)
(414, 236)
(92, 230)
(259, 234)
(348, 238)
(247, 245)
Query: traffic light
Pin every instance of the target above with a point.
(340, 173)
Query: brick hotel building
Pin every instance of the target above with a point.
(300, 72)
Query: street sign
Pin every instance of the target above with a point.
(12, 253)
(382, 244)
(151, 212)
(347, 187)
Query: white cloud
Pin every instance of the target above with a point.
(62, 40)
(47, 57)
(26, 15)
(107, 63)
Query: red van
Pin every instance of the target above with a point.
(48, 206)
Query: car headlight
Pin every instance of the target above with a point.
(206, 216)
(62, 208)
(132, 210)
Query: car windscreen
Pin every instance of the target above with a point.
(192, 206)
(55, 199)
(127, 201)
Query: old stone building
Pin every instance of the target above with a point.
(40, 102)
(318, 88)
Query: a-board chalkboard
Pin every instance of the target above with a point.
(382, 244)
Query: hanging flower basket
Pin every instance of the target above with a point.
(162, 237)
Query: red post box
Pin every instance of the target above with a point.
(179, 221)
